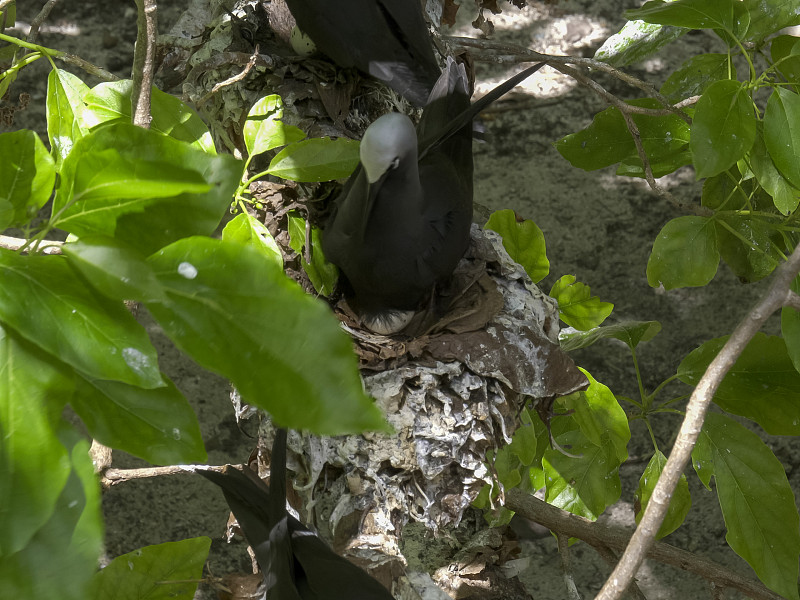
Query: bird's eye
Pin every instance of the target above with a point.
(395, 163)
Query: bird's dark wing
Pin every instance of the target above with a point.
(261, 513)
(387, 39)
(457, 122)
(324, 575)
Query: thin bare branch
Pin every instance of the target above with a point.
(39, 19)
(566, 567)
(597, 534)
(611, 559)
(12, 243)
(777, 296)
(111, 477)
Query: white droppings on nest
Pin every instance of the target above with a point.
(446, 414)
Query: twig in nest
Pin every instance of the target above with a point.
(777, 296)
(231, 80)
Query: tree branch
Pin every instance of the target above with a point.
(777, 296)
(597, 535)
(144, 59)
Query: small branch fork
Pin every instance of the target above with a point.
(606, 540)
(511, 54)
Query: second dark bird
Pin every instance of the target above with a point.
(296, 564)
(387, 39)
(402, 221)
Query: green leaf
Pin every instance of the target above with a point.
(608, 141)
(524, 242)
(323, 274)
(696, 74)
(577, 307)
(114, 268)
(34, 465)
(756, 500)
(745, 243)
(317, 159)
(292, 359)
(636, 41)
(769, 16)
(62, 557)
(246, 229)
(600, 417)
(586, 484)
(630, 332)
(169, 571)
(790, 328)
(64, 103)
(263, 130)
(142, 188)
(27, 175)
(685, 254)
(692, 14)
(763, 385)
(679, 504)
(785, 52)
(110, 102)
(785, 197)
(45, 303)
(782, 132)
(157, 425)
(723, 129)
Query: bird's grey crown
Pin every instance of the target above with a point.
(391, 141)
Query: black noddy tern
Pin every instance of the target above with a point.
(296, 564)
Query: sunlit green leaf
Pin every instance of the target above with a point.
(65, 94)
(168, 571)
(600, 417)
(587, 482)
(756, 500)
(785, 51)
(317, 159)
(685, 254)
(27, 175)
(142, 187)
(263, 130)
(763, 385)
(323, 274)
(524, 242)
(248, 230)
(114, 268)
(34, 465)
(43, 300)
(225, 295)
(156, 425)
(679, 504)
(61, 558)
(636, 41)
(723, 129)
(576, 306)
(110, 102)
